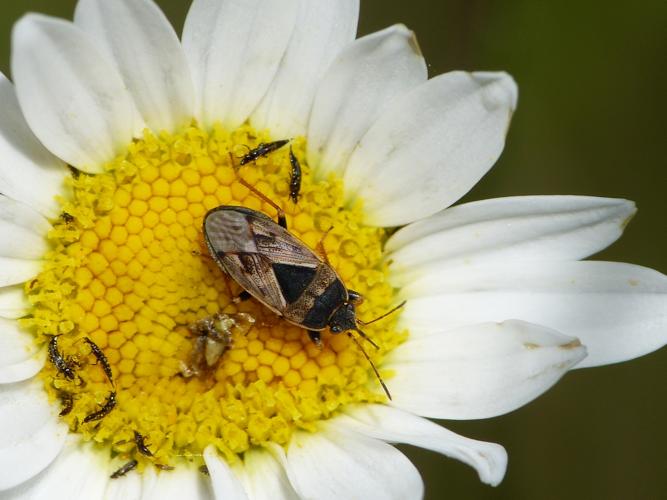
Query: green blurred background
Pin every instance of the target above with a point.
(591, 120)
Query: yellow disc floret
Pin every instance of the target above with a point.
(128, 273)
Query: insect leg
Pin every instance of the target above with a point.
(316, 337)
(282, 220)
(320, 247)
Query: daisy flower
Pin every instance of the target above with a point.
(116, 139)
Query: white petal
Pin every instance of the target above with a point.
(13, 302)
(28, 172)
(70, 92)
(396, 426)
(31, 434)
(525, 228)
(335, 464)
(619, 311)
(225, 483)
(234, 48)
(78, 473)
(178, 484)
(13, 271)
(147, 52)
(127, 487)
(20, 356)
(479, 371)
(363, 79)
(22, 230)
(264, 477)
(323, 28)
(431, 146)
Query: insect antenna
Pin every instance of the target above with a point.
(391, 311)
(368, 339)
(377, 373)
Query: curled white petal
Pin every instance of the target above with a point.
(29, 172)
(479, 371)
(137, 36)
(323, 28)
(334, 464)
(362, 80)
(225, 483)
(70, 92)
(431, 146)
(234, 48)
(619, 311)
(263, 476)
(497, 231)
(397, 426)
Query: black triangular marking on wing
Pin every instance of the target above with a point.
(293, 280)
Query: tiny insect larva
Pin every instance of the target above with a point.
(262, 150)
(132, 464)
(106, 408)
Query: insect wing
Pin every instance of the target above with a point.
(248, 245)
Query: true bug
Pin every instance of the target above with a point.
(295, 177)
(282, 273)
(108, 405)
(124, 469)
(101, 358)
(140, 441)
(62, 364)
(262, 150)
(204, 470)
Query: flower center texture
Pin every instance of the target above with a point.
(128, 285)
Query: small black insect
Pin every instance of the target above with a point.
(262, 150)
(63, 365)
(101, 358)
(282, 273)
(109, 405)
(295, 177)
(67, 401)
(124, 469)
(139, 440)
(67, 218)
(204, 470)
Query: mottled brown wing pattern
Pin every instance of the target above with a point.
(254, 273)
(246, 244)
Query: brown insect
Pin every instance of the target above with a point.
(281, 272)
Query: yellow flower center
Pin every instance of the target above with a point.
(129, 271)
